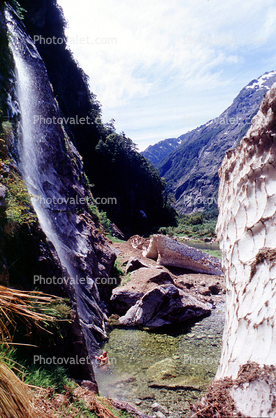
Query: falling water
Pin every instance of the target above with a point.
(51, 177)
(30, 98)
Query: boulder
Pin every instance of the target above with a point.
(170, 252)
(164, 305)
(134, 263)
(142, 280)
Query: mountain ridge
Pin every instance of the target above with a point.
(191, 169)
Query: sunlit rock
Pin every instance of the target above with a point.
(170, 252)
(164, 305)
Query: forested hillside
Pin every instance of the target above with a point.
(110, 159)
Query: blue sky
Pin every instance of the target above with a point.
(163, 67)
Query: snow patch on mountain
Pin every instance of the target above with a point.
(260, 82)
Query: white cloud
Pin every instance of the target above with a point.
(168, 51)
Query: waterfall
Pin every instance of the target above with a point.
(52, 170)
(31, 97)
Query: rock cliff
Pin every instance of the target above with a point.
(43, 155)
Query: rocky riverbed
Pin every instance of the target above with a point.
(169, 368)
(162, 370)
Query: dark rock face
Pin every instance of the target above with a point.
(53, 171)
(164, 305)
(191, 170)
(157, 152)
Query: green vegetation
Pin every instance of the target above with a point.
(105, 222)
(19, 10)
(135, 183)
(54, 378)
(214, 253)
(18, 210)
(114, 239)
(117, 270)
(111, 160)
(125, 279)
(196, 225)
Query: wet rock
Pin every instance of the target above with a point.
(142, 280)
(157, 407)
(89, 385)
(3, 190)
(170, 252)
(116, 232)
(119, 405)
(164, 305)
(164, 369)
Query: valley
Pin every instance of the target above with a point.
(132, 284)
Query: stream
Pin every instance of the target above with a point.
(171, 368)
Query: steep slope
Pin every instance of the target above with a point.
(63, 236)
(157, 152)
(191, 170)
(123, 173)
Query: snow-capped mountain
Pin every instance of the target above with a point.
(191, 169)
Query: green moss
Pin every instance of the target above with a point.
(18, 8)
(18, 210)
(214, 253)
(105, 221)
(114, 239)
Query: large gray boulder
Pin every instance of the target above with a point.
(164, 305)
(142, 280)
(170, 252)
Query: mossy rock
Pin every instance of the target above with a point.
(162, 370)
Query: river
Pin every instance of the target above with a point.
(171, 368)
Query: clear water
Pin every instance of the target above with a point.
(172, 368)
